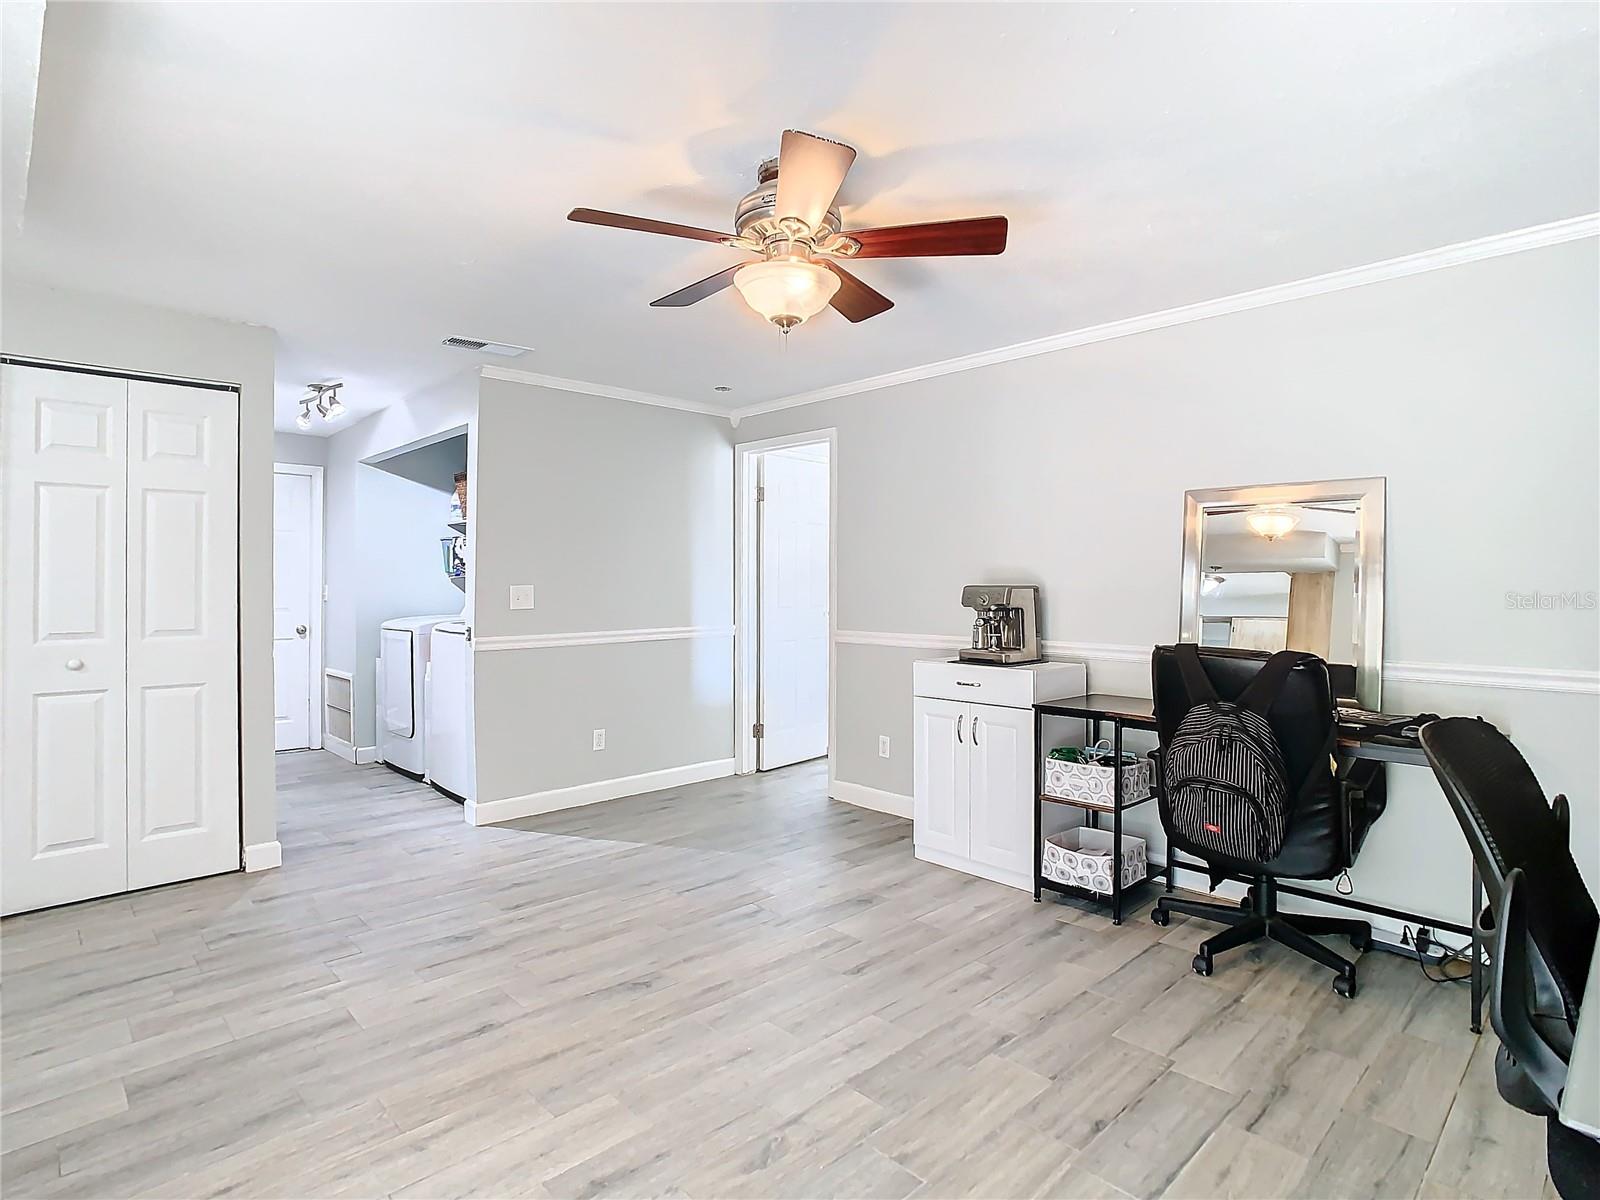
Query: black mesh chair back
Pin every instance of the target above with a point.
(1509, 825)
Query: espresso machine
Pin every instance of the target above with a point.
(1007, 628)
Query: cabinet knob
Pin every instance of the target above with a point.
(74, 664)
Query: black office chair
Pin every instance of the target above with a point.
(1536, 1058)
(1328, 815)
(1508, 823)
(1509, 826)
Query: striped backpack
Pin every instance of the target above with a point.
(1227, 789)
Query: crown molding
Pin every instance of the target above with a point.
(560, 384)
(1553, 233)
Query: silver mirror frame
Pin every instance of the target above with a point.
(1368, 638)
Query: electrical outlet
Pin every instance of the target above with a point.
(599, 739)
(883, 747)
(1424, 941)
(521, 595)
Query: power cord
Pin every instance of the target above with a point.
(1422, 941)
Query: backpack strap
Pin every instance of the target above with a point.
(1195, 680)
(1261, 693)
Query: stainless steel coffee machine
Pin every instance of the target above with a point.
(1007, 628)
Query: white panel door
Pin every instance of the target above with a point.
(294, 609)
(941, 786)
(183, 640)
(62, 770)
(793, 606)
(1002, 787)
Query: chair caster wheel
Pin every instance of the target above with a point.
(1345, 985)
(1202, 964)
(1361, 942)
(1160, 916)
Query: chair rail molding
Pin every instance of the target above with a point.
(1523, 679)
(598, 637)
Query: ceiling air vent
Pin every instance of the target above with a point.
(479, 346)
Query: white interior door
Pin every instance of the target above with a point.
(62, 769)
(1002, 787)
(942, 771)
(793, 605)
(294, 609)
(183, 636)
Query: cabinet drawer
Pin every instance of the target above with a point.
(1009, 687)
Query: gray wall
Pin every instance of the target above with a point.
(383, 529)
(618, 514)
(1472, 389)
(300, 448)
(101, 331)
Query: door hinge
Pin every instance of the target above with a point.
(758, 730)
(761, 492)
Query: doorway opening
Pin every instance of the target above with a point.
(297, 700)
(785, 574)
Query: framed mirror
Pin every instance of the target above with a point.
(1290, 565)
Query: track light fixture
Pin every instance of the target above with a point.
(324, 399)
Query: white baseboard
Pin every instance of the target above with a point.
(263, 856)
(863, 796)
(489, 812)
(359, 755)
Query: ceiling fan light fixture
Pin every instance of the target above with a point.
(786, 291)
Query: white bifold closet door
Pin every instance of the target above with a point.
(120, 764)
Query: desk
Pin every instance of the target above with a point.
(1136, 712)
(1580, 1101)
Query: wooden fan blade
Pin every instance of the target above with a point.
(974, 235)
(810, 170)
(696, 292)
(854, 300)
(593, 216)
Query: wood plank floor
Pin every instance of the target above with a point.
(735, 989)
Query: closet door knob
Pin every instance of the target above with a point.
(300, 631)
(74, 664)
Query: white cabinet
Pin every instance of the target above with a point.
(974, 774)
(942, 777)
(1002, 788)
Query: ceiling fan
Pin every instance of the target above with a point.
(790, 220)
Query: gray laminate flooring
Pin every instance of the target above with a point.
(735, 989)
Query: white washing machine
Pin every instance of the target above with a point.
(450, 711)
(403, 649)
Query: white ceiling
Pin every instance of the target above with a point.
(368, 178)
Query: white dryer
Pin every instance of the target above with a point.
(403, 650)
(450, 711)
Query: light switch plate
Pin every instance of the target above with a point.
(522, 595)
